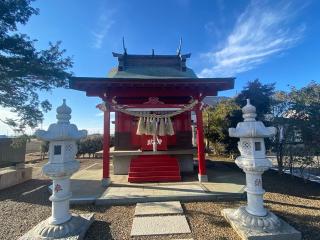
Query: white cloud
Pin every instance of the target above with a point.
(263, 30)
(104, 24)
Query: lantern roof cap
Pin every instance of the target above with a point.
(62, 130)
(250, 127)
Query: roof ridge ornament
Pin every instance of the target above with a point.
(124, 47)
(180, 47)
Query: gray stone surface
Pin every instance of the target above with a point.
(159, 225)
(121, 164)
(202, 178)
(158, 208)
(13, 176)
(186, 163)
(285, 232)
(74, 229)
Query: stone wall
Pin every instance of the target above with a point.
(9, 155)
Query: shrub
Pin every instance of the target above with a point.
(90, 145)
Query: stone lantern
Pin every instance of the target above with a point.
(254, 221)
(62, 137)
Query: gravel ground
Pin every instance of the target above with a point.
(23, 206)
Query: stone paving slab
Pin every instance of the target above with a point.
(159, 225)
(158, 208)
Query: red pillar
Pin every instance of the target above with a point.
(200, 143)
(106, 147)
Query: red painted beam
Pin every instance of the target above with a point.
(150, 92)
(200, 142)
(106, 145)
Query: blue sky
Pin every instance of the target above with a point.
(275, 41)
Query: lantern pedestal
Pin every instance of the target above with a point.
(73, 229)
(237, 217)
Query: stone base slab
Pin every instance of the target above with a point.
(74, 229)
(158, 208)
(284, 232)
(159, 225)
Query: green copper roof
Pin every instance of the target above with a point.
(151, 72)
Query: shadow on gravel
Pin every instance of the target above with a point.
(211, 218)
(99, 230)
(273, 182)
(306, 224)
(290, 185)
(292, 205)
(34, 191)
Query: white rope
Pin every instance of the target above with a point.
(149, 115)
(148, 123)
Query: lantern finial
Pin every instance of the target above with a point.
(249, 112)
(64, 113)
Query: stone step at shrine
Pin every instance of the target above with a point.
(154, 168)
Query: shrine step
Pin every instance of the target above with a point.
(154, 179)
(153, 159)
(154, 173)
(153, 163)
(154, 168)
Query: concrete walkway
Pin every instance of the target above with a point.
(224, 183)
(159, 218)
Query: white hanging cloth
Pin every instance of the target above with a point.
(155, 126)
(140, 129)
(162, 128)
(169, 127)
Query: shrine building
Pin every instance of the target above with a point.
(152, 97)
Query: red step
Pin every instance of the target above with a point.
(154, 179)
(146, 158)
(154, 173)
(153, 164)
(150, 169)
(154, 168)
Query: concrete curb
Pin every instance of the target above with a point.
(144, 199)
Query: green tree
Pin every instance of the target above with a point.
(260, 96)
(218, 122)
(90, 145)
(285, 128)
(228, 114)
(24, 70)
(44, 149)
(305, 110)
(296, 114)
